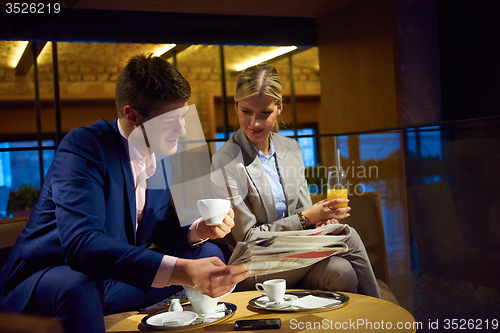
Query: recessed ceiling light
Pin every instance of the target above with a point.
(162, 49)
(45, 53)
(18, 48)
(264, 57)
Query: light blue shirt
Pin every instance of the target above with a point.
(271, 168)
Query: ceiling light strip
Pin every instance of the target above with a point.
(18, 48)
(265, 57)
(163, 49)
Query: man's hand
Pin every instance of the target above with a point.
(330, 221)
(210, 276)
(218, 231)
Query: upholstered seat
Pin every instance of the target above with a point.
(366, 218)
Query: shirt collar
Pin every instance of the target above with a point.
(133, 152)
(142, 168)
(269, 154)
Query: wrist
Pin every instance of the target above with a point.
(304, 221)
(180, 274)
(309, 215)
(195, 233)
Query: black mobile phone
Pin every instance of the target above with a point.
(257, 324)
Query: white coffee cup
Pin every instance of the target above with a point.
(201, 303)
(274, 289)
(213, 211)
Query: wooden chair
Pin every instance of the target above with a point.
(10, 229)
(366, 218)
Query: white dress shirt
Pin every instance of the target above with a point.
(142, 169)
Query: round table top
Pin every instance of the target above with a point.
(360, 314)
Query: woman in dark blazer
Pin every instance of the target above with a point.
(264, 178)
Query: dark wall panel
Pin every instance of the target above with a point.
(148, 27)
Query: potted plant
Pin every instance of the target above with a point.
(22, 201)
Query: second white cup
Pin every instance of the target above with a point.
(202, 304)
(213, 211)
(274, 289)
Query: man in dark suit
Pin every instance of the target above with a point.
(98, 240)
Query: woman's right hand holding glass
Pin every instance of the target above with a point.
(322, 211)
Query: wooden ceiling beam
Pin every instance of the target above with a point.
(174, 51)
(26, 61)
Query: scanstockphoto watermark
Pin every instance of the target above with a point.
(362, 325)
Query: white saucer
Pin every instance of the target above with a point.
(287, 301)
(172, 319)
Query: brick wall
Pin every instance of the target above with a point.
(90, 70)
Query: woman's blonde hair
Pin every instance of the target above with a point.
(260, 79)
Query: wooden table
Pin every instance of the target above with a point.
(360, 314)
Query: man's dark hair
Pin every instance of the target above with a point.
(147, 82)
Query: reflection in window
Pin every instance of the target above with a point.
(425, 144)
(429, 144)
(343, 146)
(380, 150)
(371, 146)
(378, 146)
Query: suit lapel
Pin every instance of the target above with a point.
(129, 191)
(288, 172)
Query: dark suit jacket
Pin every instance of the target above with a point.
(85, 218)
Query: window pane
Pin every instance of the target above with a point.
(431, 142)
(378, 146)
(425, 148)
(343, 146)
(220, 135)
(308, 145)
(20, 177)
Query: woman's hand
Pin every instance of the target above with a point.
(217, 231)
(321, 212)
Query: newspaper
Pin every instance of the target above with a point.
(268, 252)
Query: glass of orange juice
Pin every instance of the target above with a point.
(337, 186)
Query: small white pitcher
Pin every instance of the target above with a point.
(175, 305)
